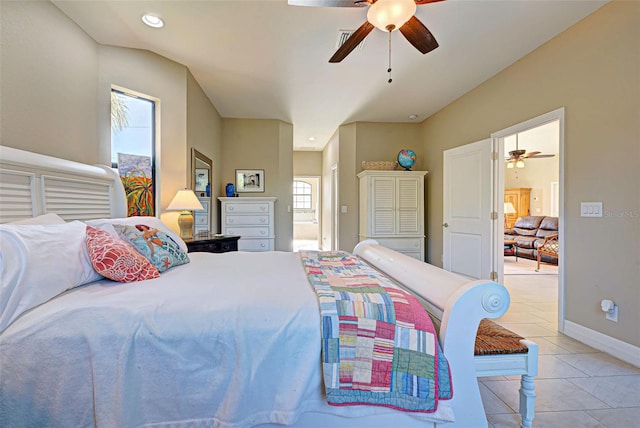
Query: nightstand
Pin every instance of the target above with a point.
(213, 244)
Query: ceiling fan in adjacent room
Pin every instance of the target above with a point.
(516, 157)
(388, 16)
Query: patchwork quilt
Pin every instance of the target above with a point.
(379, 346)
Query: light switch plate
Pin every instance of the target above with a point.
(590, 209)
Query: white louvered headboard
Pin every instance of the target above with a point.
(32, 184)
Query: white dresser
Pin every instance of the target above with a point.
(202, 219)
(392, 210)
(251, 218)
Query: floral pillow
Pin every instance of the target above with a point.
(158, 247)
(115, 259)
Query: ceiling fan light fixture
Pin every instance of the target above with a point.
(520, 163)
(510, 165)
(390, 15)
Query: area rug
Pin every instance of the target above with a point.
(527, 267)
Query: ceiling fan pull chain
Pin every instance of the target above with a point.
(389, 69)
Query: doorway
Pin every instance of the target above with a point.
(540, 180)
(306, 211)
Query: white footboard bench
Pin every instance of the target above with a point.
(456, 305)
(500, 352)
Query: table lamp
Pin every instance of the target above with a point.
(185, 201)
(508, 209)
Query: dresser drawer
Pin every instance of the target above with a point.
(248, 232)
(231, 208)
(251, 220)
(255, 244)
(201, 219)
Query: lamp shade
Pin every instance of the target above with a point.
(508, 208)
(185, 200)
(389, 15)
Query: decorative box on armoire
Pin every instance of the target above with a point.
(392, 210)
(252, 218)
(519, 197)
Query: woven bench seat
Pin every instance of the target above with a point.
(494, 339)
(501, 352)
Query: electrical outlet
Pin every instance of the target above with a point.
(612, 316)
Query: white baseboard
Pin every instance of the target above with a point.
(619, 349)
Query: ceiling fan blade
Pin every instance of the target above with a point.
(328, 3)
(530, 154)
(541, 156)
(418, 35)
(352, 42)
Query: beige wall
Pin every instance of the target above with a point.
(204, 133)
(348, 182)
(48, 89)
(383, 141)
(263, 144)
(330, 158)
(56, 84)
(307, 164)
(595, 75)
(284, 190)
(166, 81)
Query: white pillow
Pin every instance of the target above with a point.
(50, 218)
(38, 262)
(153, 222)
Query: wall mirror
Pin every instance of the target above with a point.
(201, 176)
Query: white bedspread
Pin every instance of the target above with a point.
(207, 344)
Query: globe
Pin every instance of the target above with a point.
(406, 159)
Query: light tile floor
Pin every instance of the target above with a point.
(577, 386)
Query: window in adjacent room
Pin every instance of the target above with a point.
(301, 195)
(133, 149)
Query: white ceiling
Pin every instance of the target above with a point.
(266, 59)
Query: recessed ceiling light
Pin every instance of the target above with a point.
(311, 138)
(153, 21)
(413, 116)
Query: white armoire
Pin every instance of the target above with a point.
(392, 210)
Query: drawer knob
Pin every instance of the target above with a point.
(262, 232)
(263, 220)
(262, 208)
(230, 220)
(230, 208)
(262, 244)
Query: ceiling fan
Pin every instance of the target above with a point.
(387, 15)
(517, 156)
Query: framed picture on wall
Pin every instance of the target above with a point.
(249, 180)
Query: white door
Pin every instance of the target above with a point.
(467, 205)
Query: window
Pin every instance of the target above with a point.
(301, 195)
(133, 149)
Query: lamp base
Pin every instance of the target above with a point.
(185, 222)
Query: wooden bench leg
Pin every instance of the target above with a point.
(527, 401)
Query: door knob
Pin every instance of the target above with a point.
(446, 225)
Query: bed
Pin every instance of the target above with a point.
(227, 340)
